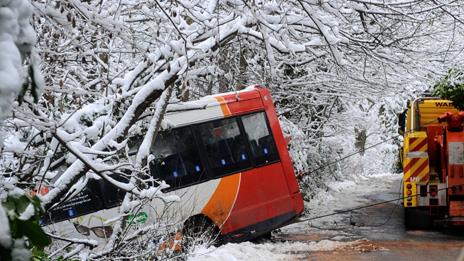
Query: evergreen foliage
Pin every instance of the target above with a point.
(27, 235)
(451, 87)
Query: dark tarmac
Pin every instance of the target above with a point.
(378, 233)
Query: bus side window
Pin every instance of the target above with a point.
(111, 195)
(261, 141)
(225, 146)
(87, 201)
(177, 159)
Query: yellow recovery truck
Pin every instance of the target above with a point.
(433, 163)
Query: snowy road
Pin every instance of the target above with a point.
(375, 233)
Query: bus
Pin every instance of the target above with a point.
(226, 159)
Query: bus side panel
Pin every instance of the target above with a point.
(220, 204)
(280, 142)
(262, 196)
(269, 191)
(248, 102)
(194, 199)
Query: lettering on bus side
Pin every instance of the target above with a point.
(443, 104)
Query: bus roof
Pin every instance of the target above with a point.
(207, 108)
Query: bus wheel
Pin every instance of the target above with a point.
(199, 230)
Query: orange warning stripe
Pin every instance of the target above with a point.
(416, 168)
(423, 177)
(418, 146)
(420, 169)
(410, 164)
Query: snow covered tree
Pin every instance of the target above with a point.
(113, 68)
(19, 74)
(451, 87)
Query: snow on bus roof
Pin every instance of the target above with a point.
(206, 101)
(189, 112)
(246, 89)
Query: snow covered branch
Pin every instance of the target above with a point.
(112, 69)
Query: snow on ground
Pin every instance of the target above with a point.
(265, 251)
(341, 195)
(346, 194)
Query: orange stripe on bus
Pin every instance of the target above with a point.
(222, 201)
(224, 107)
(420, 146)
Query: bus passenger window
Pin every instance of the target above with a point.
(112, 196)
(177, 159)
(225, 146)
(261, 141)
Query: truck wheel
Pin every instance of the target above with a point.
(415, 218)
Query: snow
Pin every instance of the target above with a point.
(74, 251)
(268, 34)
(10, 65)
(73, 122)
(232, 252)
(38, 77)
(183, 106)
(130, 76)
(5, 237)
(20, 252)
(211, 6)
(13, 144)
(9, 185)
(147, 142)
(16, 36)
(28, 213)
(155, 84)
(264, 252)
(153, 192)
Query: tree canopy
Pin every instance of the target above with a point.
(111, 70)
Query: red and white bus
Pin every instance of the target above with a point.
(228, 162)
